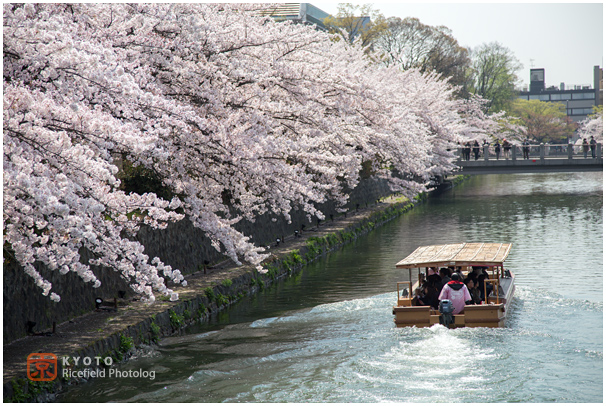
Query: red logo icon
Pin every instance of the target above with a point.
(42, 366)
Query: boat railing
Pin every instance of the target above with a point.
(405, 301)
(496, 289)
(408, 283)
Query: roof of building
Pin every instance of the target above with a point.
(284, 10)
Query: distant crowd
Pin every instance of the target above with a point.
(505, 147)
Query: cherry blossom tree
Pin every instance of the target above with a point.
(60, 189)
(483, 126)
(593, 126)
(235, 114)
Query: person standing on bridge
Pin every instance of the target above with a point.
(467, 151)
(526, 148)
(497, 148)
(585, 147)
(506, 148)
(476, 150)
(592, 144)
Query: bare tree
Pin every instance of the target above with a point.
(408, 43)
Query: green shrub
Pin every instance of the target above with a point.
(175, 320)
(155, 332)
(222, 300)
(210, 294)
(201, 310)
(126, 343)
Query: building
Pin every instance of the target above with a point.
(306, 13)
(303, 13)
(579, 100)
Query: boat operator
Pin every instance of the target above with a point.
(456, 292)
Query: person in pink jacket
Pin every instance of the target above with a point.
(456, 292)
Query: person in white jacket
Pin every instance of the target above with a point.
(456, 292)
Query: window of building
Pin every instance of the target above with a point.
(561, 96)
(583, 96)
(579, 112)
(537, 75)
(533, 97)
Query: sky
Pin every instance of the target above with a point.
(566, 39)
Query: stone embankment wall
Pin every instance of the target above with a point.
(181, 245)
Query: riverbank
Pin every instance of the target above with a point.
(114, 332)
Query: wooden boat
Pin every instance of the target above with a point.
(466, 258)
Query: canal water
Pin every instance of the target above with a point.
(327, 335)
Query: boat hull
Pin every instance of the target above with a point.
(488, 315)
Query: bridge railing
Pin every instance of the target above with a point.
(534, 152)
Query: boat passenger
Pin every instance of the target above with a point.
(445, 274)
(472, 286)
(431, 295)
(417, 300)
(477, 270)
(485, 272)
(431, 271)
(457, 293)
(435, 281)
(481, 279)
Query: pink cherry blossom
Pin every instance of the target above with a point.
(239, 115)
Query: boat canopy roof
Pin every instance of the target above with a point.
(463, 254)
